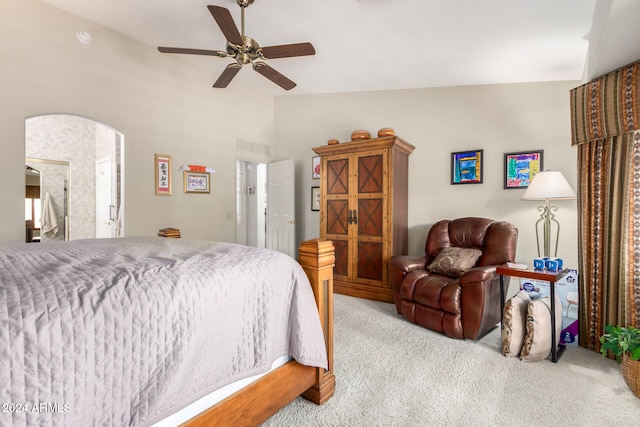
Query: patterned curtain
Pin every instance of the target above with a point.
(605, 120)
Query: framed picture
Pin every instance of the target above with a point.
(315, 167)
(315, 198)
(196, 182)
(163, 175)
(466, 167)
(521, 167)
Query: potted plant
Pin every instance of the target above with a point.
(624, 343)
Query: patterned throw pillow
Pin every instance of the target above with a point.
(537, 342)
(454, 261)
(514, 320)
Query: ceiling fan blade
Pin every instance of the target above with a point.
(288, 50)
(227, 75)
(226, 24)
(192, 51)
(273, 75)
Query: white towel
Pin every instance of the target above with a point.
(49, 221)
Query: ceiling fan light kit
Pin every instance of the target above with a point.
(246, 50)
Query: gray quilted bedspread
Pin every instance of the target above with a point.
(118, 332)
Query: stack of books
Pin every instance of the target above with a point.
(169, 232)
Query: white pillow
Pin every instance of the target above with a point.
(514, 320)
(537, 342)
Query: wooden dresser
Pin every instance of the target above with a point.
(363, 210)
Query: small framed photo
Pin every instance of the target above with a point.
(163, 175)
(315, 167)
(466, 167)
(196, 182)
(521, 167)
(315, 198)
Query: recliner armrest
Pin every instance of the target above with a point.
(480, 300)
(408, 263)
(478, 274)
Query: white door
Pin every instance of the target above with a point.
(105, 209)
(281, 224)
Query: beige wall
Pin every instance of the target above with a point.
(159, 104)
(162, 104)
(496, 118)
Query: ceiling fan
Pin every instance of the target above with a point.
(245, 50)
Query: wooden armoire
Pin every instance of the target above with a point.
(363, 210)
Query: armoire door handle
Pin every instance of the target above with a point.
(355, 216)
(349, 217)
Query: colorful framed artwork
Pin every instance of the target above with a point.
(196, 182)
(163, 175)
(315, 198)
(315, 167)
(466, 167)
(521, 167)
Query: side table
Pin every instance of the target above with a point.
(548, 276)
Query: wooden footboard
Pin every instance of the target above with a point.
(260, 400)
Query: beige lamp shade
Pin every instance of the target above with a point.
(549, 185)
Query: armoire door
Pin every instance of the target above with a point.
(370, 214)
(337, 214)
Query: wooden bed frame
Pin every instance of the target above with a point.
(258, 401)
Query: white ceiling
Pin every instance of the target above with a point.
(364, 45)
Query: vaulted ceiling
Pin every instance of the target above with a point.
(364, 45)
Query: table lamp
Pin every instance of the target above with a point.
(548, 185)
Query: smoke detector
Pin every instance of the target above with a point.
(84, 37)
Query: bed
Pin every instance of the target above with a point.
(129, 331)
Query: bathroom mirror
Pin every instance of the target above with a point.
(89, 203)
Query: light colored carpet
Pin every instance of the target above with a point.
(390, 372)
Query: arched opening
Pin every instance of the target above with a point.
(80, 165)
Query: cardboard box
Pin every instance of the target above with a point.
(567, 290)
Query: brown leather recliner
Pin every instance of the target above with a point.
(466, 306)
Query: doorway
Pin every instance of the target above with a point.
(265, 204)
(251, 203)
(85, 144)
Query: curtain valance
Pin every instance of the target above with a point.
(607, 106)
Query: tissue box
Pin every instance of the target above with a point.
(567, 290)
